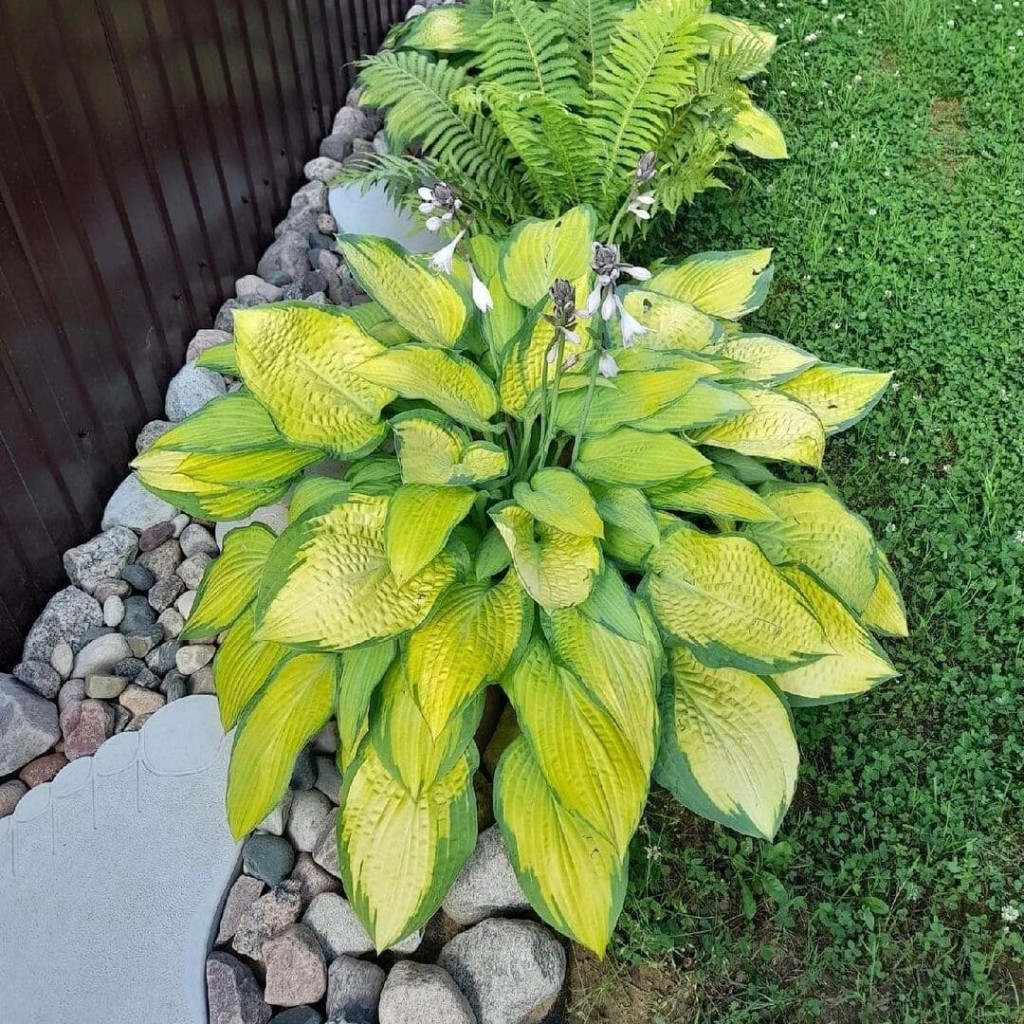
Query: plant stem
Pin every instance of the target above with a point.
(591, 384)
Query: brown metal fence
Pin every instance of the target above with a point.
(147, 148)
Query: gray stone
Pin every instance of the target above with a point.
(287, 254)
(327, 225)
(162, 659)
(104, 687)
(362, 147)
(107, 589)
(192, 658)
(62, 659)
(265, 917)
(165, 592)
(353, 990)
(328, 778)
(381, 146)
(351, 121)
(101, 655)
(144, 639)
(133, 506)
(190, 389)
(171, 621)
(325, 853)
(241, 896)
(153, 536)
(184, 605)
(129, 668)
(113, 611)
(39, 676)
(204, 339)
(232, 992)
(85, 725)
(139, 701)
(92, 633)
(138, 613)
(341, 933)
(150, 432)
(511, 972)
(487, 886)
(28, 725)
(121, 718)
(304, 770)
(138, 576)
(148, 680)
(162, 561)
(312, 878)
(72, 692)
(268, 857)
(297, 1015)
(276, 820)
(296, 972)
(179, 523)
(423, 993)
(326, 741)
(101, 558)
(310, 811)
(197, 540)
(415, 11)
(202, 681)
(173, 688)
(337, 146)
(10, 793)
(192, 569)
(252, 286)
(322, 168)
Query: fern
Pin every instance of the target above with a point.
(646, 74)
(525, 49)
(737, 48)
(590, 24)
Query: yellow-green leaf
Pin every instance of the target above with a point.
(703, 404)
(717, 495)
(727, 750)
(858, 663)
(767, 360)
(755, 131)
(289, 710)
(722, 597)
(774, 427)
(813, 527)
(560, 498)
(316, 490)
(556, 568)
(538, 252)
(444, 30)
(734, 40)
(426, 304)
(432, 451)
(573, 876)
(630, 529)
(327, 585)
(242, 666)
(502, 322)
(420, 519)
(724, 284)
(671, 323)
(635, 458)
(362, 669)
(230, 583)
(840, 395)
(885, 612)
(220, 358)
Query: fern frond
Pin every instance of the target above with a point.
(737, 49)
(589, 24)
(696, 147)
(417, 94)
(525, 48)
(646, 74)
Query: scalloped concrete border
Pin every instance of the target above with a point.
(112, 877)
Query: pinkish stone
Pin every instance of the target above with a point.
(241, 897)
(10, 793)
(85, 725)
(296, 971)
(42, 769)
(312, 878)
(265, 918)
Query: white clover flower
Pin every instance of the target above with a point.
(1018, 536)
(904, 460)
(890, 528)
(1009, 914)
(442, 259)
(607, 366)
(481, 296)
(811, 37)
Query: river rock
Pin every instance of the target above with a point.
(487, 886)
(232, 992)
(101, 558)
(86, 724)
(265, 918)
(424, 993)
(241, 896)
(268, 857)
(353, 990)
(132, 506)
(296, 971)
(190, 389)
(310, 811)
(38, 676)
(29, 725)
(100, 655)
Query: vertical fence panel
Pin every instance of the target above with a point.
(149, 147)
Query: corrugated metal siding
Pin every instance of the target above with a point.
(147, 148)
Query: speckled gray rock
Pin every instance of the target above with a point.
(423, 993)
(268, 857)
(322, 168)
(138, 613)
(197, 540)
(153, 536)
(10, 793)
(131, 505)
(191, 570)
(62, 659)
(325, 853)
(164, 593)
(287, 254)
(190, 389)
(163, 560)
(297, 1015)
(150, 432)
(107, 589)
(202, 681)
(192, 658)
(487, 886)
(204, 339)
(38, 676)
(296, 971)
(241, 896)
(185, 603)
(353, 990)
(101, 558)
(28, 725)
(511, 972)
(232, 992)
(328, 778)
(138, 576)
(139, 700)
(113, 610)
(310, 811)
(340, 932)
(252, 286)
(100, 655)
(67, 615)
(312, 878)
(265, 917)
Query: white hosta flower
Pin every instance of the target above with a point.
(608, 306)
(427, 207)
(434, 223)
(442, 259)
(638, 273)
(629, 325)
(607, 366)
(481, 296)
(426, 194)
(593, 301)
(639, 212)
(645, 200)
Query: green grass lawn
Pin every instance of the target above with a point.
(898, 227)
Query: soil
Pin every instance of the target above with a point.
(607, 993)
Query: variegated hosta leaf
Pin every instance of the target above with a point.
(451, 382)
(467, 642)
(817, 530)
(634, 458)
(671, 323)
(885, 612)
(755, 131)
(312, 491)
(727, 748)
(444, 30)
(538, 252)
(282, 719)
(432, 451)
(573, 876)
(703, 404)
(220, 358)
(327, 585)
(774, 427)
(492, 556)
(303, 364)
(502, 322)
(230, 583)
(399, 854)
(724, 284)
(630, 528)
(591, 765)
(426, 304)
(560, 498)
(858, 663)
(419, 523)
(362, 669)
(242, 666)
(717, 495)
(767, 360)
(840, 395)
(556, 568)
(723, 598)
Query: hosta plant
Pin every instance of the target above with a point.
(532, 107)
(586, 501)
